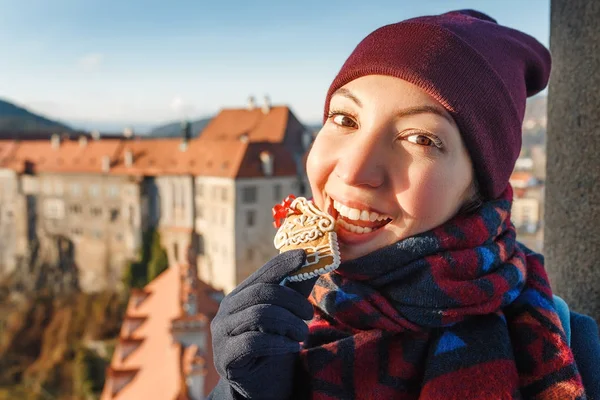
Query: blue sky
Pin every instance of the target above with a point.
(113, 63)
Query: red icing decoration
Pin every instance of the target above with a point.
(280, 211)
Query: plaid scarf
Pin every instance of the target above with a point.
(460, 312)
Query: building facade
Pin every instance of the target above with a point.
(210, 198)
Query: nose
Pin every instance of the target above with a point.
(361, 161)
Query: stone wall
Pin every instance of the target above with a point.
(572, 215)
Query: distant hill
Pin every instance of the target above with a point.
(17, 119)
(174, 129)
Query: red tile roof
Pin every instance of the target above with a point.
(7, 147)
(151, 157)
(168, 157)
(220, 150)
(231, 124)
(252, 165)
(69, 156)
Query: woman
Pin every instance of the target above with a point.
(437, 300)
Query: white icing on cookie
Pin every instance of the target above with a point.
(310, 225)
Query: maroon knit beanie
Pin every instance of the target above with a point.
(480, 71)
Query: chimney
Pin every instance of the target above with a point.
(251, 103)
(128, 132)
(266, 105)
(186, 130)
(96, 135)
(243, 138)
(105, 164)
(83, 141)
(266, 159)
(55, 140)
(128, 158)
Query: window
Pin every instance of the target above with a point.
(114, 214)
(58, 188)
(75, 189)
(249, 253)
(119, 237)
(250, 217)
(75, 208)
(176, 252)
(96, 211)
(54, 209)
(224, 194)
(94, 190)
(97, 234)
(113, 191)
(200, 212)
(249, 194)
(131, 215)
(76, 231)
(277, 196)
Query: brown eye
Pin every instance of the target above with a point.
(423, 140)
(344, 120)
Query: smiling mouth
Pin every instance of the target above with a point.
(356, 221)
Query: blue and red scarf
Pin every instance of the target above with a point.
(460, 312)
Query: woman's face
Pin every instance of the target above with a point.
(389, 163)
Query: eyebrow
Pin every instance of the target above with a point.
(406, 112)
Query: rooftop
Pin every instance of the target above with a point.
(149, 361)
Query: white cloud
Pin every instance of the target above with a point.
(176, 104)
(181, 107)
(91, 61)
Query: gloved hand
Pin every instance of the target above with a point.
(257, 331)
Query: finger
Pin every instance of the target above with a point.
(243, 349)
(264, 318)
(276, 269)
(268, 293)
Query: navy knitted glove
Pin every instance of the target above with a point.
(257, 331)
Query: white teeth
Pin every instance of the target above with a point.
(364, 215)
(345, 211)
(356, 214)
(354, 228)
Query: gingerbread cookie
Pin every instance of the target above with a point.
(306, 227)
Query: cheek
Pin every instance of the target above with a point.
(432, 194)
